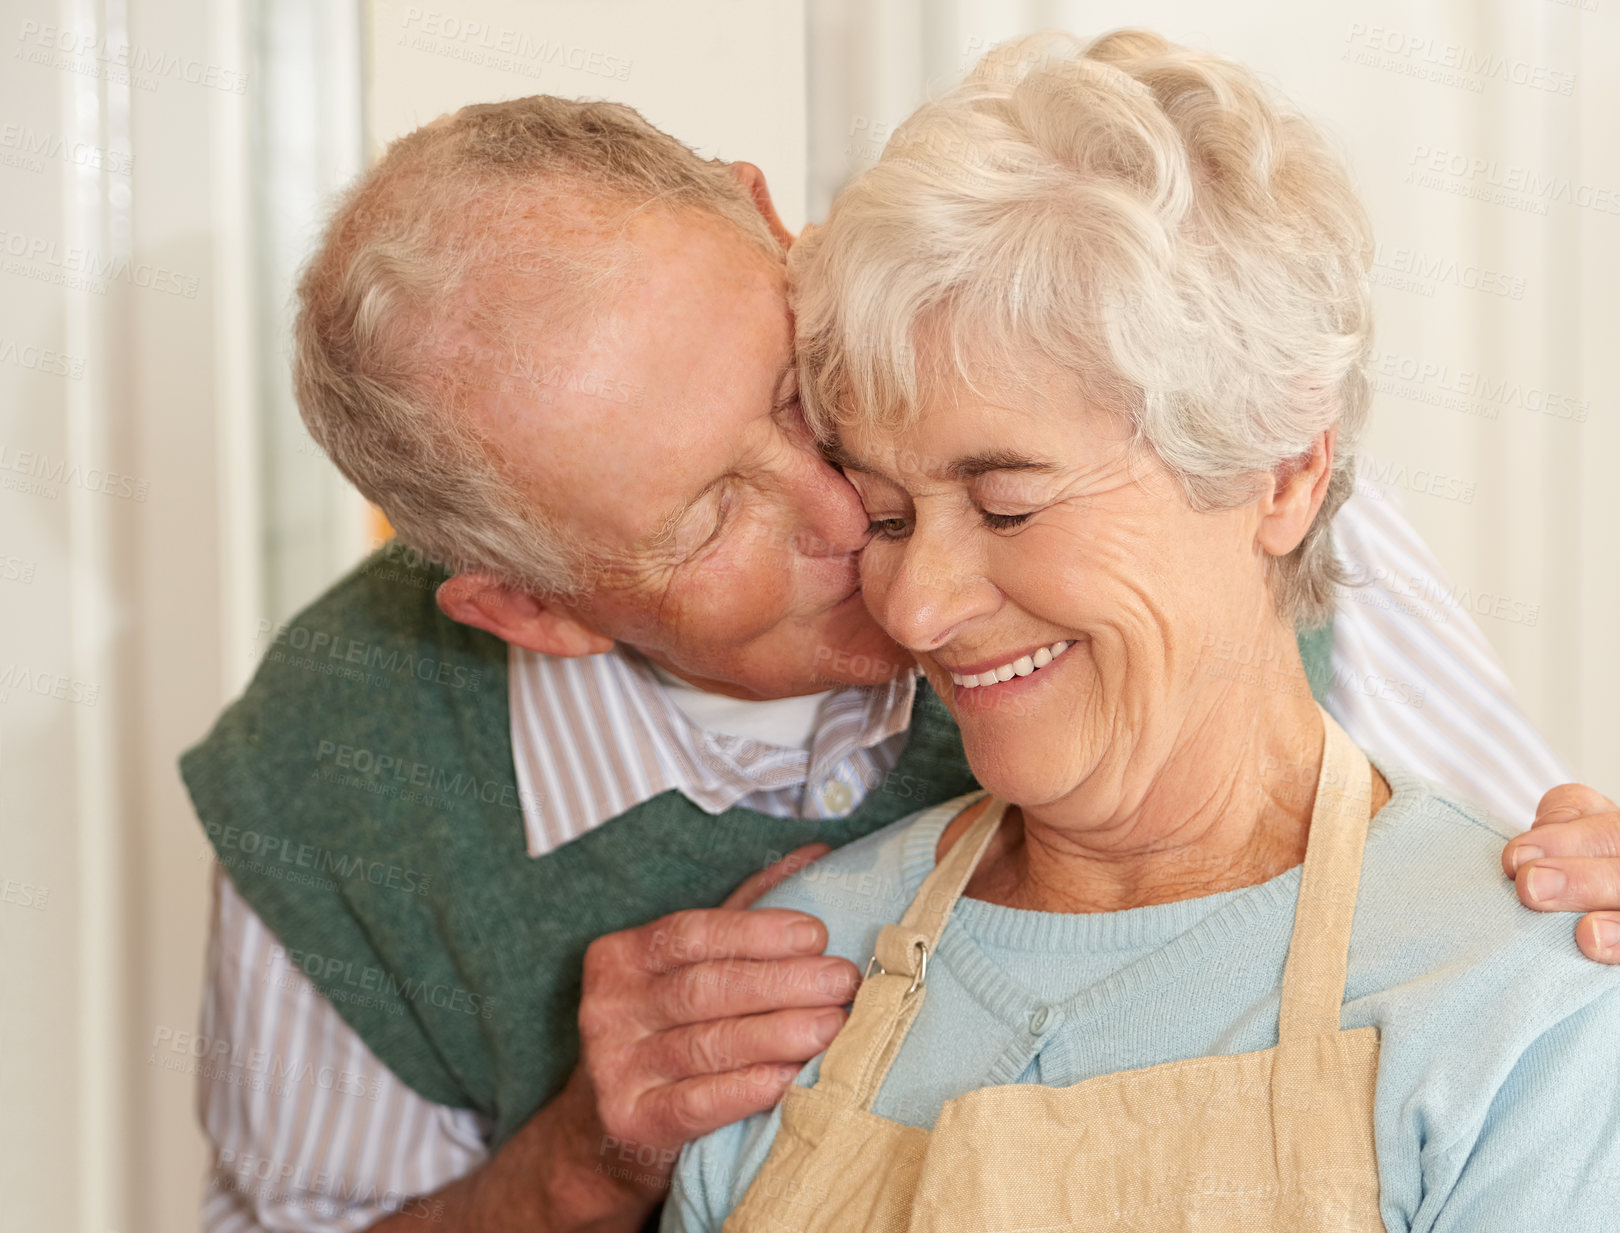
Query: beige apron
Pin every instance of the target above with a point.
(1276, 1140)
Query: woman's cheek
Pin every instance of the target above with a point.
(879, 560)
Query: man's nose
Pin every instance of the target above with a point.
(833, 522)
(934, 591)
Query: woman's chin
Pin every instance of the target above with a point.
(1021, 775)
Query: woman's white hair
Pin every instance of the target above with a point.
(1143, 216)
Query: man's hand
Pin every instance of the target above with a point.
(702, 1018)
(686, 1025)
(1569, 861)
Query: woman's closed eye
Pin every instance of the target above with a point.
(899, 528)
(1003, 522)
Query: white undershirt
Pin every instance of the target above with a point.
(787, 722)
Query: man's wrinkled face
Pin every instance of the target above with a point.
(667, 437)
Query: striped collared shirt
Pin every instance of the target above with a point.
(1412, 677)
(594, 737)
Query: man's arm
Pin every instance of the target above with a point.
(1413, 676)
(686, 1024)
(309, 1129)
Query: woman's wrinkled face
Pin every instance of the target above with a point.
(1063, 597)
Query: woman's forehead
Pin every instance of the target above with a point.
(957, 442)
(963, 424)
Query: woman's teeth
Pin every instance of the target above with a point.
(1022, 666)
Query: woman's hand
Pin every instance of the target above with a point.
(1569, 861)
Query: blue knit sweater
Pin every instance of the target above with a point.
(1498, 1102)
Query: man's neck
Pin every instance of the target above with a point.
(789, 723)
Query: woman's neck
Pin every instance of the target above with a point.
(1228, 805)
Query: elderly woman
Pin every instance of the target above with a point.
(1089, 341)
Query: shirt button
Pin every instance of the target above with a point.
(836, 797)
(1037, 1021)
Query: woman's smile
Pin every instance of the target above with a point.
(989, 672)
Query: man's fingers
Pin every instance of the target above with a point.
(1597, 835)
(1571, 800)
(724, 1045)
(692, 1108)
(703, 935)
(724, 989)
(1598, 936)
(765, 879)
(1570, 884)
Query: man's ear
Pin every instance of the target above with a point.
(517, 617)
(1298, 489)
(753, 179)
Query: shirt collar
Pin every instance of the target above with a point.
(595, 736)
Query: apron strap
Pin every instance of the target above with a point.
(896, 980)
(1319, 954)
(1313, 980)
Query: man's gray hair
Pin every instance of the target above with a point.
(499, 219)
(1143, 216)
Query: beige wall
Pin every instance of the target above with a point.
(726, 76)
(128, 607)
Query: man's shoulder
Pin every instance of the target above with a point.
(389, 595)
(869, 883)
(374, 644)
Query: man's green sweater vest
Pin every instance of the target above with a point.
(361, 795)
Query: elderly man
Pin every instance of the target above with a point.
(475, 810)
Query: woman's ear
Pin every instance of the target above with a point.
(753, 179)
(518, 617)
(1298, 490)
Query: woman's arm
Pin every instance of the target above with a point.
(714, 1172)
(1547, 1155)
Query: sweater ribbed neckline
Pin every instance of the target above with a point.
(1178, 932)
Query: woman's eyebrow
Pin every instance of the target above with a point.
(962, 469)
(836, 455)
(975, 465)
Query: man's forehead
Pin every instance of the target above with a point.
(633, 421)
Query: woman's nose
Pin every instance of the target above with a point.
(932, 593)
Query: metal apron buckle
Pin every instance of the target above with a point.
(922, 967)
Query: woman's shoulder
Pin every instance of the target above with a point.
(862, 886)
(1431, 843)
(1495, 1032)
(1437, 919)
